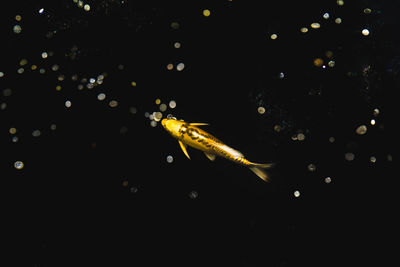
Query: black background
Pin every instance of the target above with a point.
(98, 189)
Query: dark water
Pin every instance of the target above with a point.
(96, 186)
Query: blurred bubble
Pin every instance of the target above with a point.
(326, 16)
(55, 67)
(170, 66)
(123, 130)
(172, 104)
(389, 157)
(180, 67)
(331, 139)
(113, 103)
(41, 10)
(170, 159)
(365, 32)
(14, 139)
(296, 193)
(277, 128)
(86, 7)
(132, 110)
(338, 20)
(53, 127)
(349, 156)
(329, 54)
(68, 104)
(367, 10)
(153, 123)
(17, 29)
(21, 70)
(42, 71)
(18, 165)
(301, 137)
(281, 75)
(340, 2)
(44, 55)
(315, 25)
(311, 167)
(18, 17)
(193, 195)
(175, 25)
(7, 92)
(33, 67)
(274, 36)
(3, 106)
(328, 180)
(372, 159)
(177, 45)
(58, 87)
(362, 129)
(101, 96)
(304, 29)
(158, 101)
(163, 107)
(318, 62)
(261, 110)
(133, 83)
(373, 122)
(158, 116)
(331, 63)
(134, 189)
(12, 130)
(23, 62)
(1, 74)
(206, 12)
(376, 112)
(36, 133)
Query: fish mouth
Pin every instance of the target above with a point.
(164, 122)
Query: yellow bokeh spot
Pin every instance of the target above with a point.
(318, 62)
(206, 12)
(12, 130)
(133, 83)
(58, 87)
(158, 101)
(23, 62)
(33, 67)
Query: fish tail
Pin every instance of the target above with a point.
(261, 170)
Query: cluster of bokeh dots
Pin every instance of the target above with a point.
(324, 61)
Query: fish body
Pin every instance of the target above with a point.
(188, 134)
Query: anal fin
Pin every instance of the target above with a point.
(183, 147)
(210, 156)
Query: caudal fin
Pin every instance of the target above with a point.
(261, 170)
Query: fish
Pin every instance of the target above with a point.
(189, 134)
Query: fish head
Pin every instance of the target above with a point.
(173, 126)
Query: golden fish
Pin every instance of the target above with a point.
(189, 134)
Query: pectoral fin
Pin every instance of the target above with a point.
(210, 156)
(183, 147)
(197, 124)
